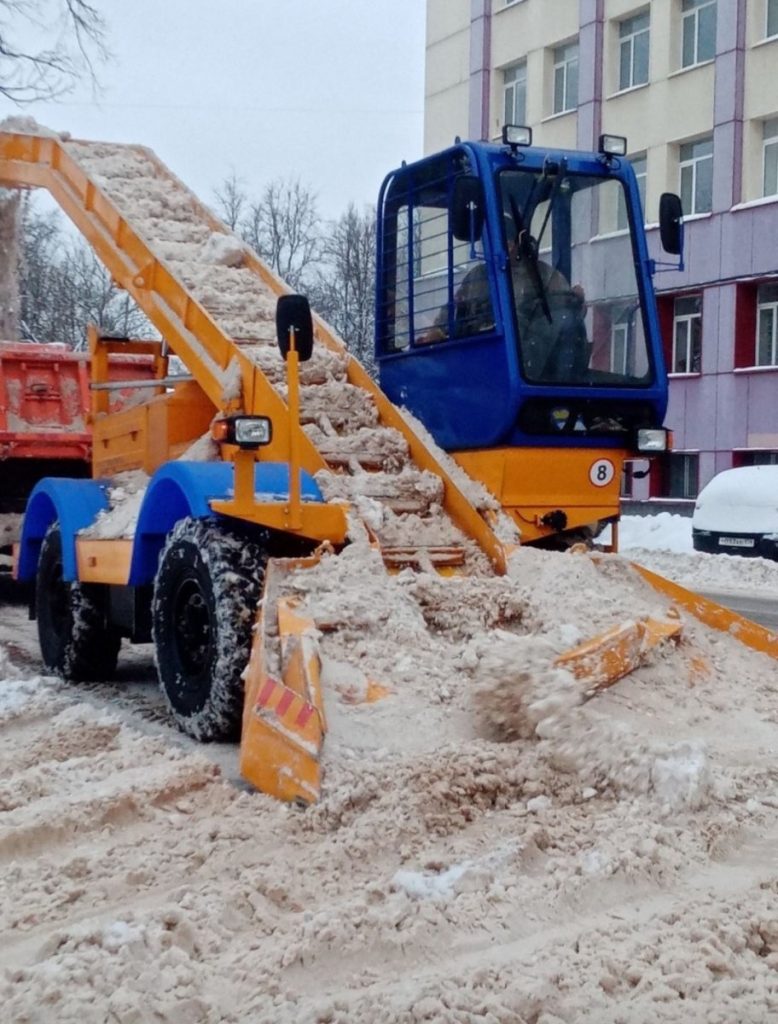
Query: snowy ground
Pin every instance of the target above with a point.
(616, 864)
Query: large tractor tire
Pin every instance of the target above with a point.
(208, 584)
(75, 640)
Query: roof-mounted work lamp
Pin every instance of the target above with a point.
(613, 145)
(516, 135)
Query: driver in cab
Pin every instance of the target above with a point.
(549, 312)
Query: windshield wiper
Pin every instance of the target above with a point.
(527, 249)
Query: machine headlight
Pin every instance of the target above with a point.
(652, 440)
(613, 145)
(516, 135)
(244, 431)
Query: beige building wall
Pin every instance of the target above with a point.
(674, 107)
(727, 407)
(447, 73)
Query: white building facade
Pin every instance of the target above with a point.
(693, 85)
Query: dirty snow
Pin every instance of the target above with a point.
(125, 496)
(490, 846)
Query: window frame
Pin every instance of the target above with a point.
(690, 475)
(641, 176)
(771, 14)
(628, 40)
(754, 457)
(564, 64)
(619, 337)
(768, 142)
(692, 322)
(691, 15)
(694, 162)
(772, 307)
(511, 86)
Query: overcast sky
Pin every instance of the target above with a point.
(330, 91)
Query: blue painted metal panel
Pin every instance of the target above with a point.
(74, 503)
(185, 489)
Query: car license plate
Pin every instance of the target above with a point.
(736, 542)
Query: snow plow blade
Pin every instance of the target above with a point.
(714, 615)
(283, 718)
(602, 661)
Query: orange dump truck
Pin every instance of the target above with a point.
(44, 421)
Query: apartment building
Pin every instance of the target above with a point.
(693, 85)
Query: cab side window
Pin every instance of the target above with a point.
(432, 286)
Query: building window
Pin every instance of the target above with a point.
(680, 475)
(698, 32)
(696, 162)
(565, 78)
(515, 94)
(619, 348)
(767, 325)
(633, 51)
(755, 458)
(687, 334)
(770, 156)
(639, 167)
(771, 28)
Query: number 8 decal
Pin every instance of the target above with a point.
(602, 472)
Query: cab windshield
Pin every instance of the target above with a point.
(575, 294)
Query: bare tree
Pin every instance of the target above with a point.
(344, 293)
(64, 288)
(9, 262)
(335, 267)
(46, 45)
(231, 201)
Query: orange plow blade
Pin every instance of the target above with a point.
(603, 660)
(283, 718)
(714, 615)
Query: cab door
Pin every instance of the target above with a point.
(440, 340)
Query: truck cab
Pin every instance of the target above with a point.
(516, 314)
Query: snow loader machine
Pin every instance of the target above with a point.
(512, 343)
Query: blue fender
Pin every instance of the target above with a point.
(74, 503)
(180, 490)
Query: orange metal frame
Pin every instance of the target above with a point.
(529, 482)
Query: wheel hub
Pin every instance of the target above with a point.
(192, 628)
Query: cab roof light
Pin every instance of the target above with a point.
(613, 145)
(516, 135)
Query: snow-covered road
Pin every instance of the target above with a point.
(618, 865)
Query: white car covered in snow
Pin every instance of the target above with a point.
(737, 513)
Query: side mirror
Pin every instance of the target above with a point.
(467, 209)
(294, 314)
(671, 223)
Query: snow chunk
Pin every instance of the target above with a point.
(226, 250)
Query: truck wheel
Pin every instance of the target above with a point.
(206, 591)
(75, 641)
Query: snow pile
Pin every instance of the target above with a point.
(125, 498)
(561, 870)
(663, 544)
(517, 688)
(665, 531)
(29, 126)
